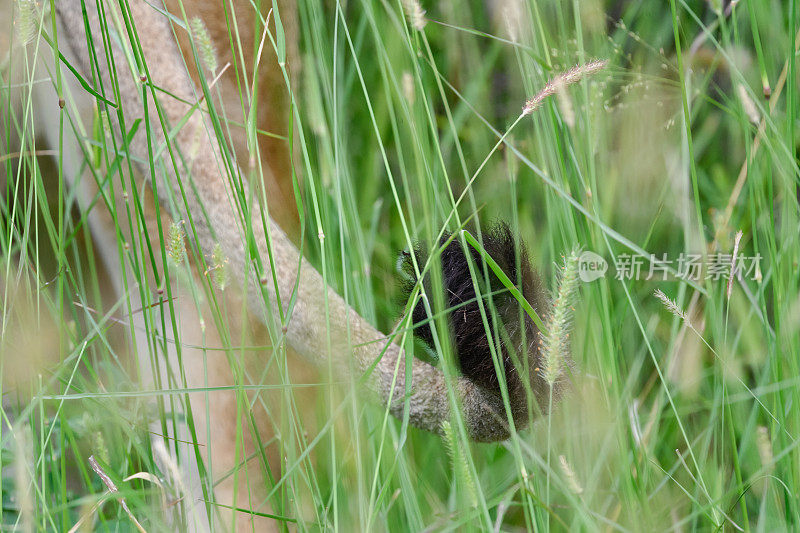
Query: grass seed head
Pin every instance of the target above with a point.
(415, 14)
(561, 82)
(206, 48)
(764, 447)
(556, 342)
(671, 306)
(569, 474)
(458, 460)
(175, 243)
(27, 21)
(219, 268)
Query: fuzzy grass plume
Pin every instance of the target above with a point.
(175, 243)
(764, 445)
(206, 48)
(415, 13)
(219, 268)
(459, 460)
(27, 21)
(569, 475)
(555, 344)
(672, 306)
(560, 82)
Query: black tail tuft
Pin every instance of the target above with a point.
(518, 335)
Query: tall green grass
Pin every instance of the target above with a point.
(680, 416)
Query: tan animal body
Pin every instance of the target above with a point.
(135, 69)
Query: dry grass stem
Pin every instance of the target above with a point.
(733, 272)
(112, 488)
(747, 104)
